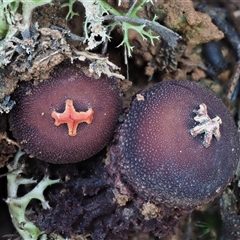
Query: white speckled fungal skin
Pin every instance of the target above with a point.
(162, 161)
(33, 126)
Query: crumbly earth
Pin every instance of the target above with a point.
(87, 202)
(148, 62)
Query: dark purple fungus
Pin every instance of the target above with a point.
(178, 145)
(177, 149)
(69, 117)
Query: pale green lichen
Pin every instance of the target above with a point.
(18, 205)
(126, 25)
(95, 27)
(14, 20)
(100, 19)
(70, 13)
(8, 10)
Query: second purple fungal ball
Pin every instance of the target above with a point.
(178, 145)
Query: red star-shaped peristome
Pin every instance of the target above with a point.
(72, 118)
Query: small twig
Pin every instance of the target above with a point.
(48, 56)
(82, 55)
(233, 37)
(189, 227)
(233, 9)
(238, 122)
(167, 34)
(68, 34)
(126, 61)
(234, 82)
(131, 8)
(9, 141)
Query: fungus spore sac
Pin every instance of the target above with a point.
(69, 117)
(179, 146)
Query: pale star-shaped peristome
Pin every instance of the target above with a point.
(72, 118)
(206, 125)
